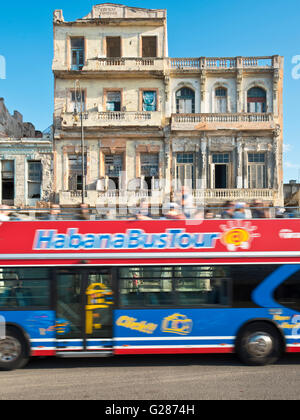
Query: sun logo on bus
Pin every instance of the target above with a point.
(238, 234)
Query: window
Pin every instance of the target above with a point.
(221, 100)
(77, 53)
(113, 101)
(185, 171)
(149, 46)
(220, 169)
(113, 170)
(288, 293)
(77, 101)
(113, 47)
(149, 168)
(257, 174)
(173, 286)
(256, 158)
(185, 101)
(220, 158)
(257, 100)
(149, 101)
(8, 182)
(24, 287)
(75, 171)
(201, 286)
(34, 179)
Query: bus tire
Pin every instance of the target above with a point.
(259, 344)
(13, 350)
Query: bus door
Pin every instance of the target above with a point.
(84, 307)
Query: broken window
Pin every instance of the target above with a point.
(113, 170)
(257, 100)
(113, 47)
(257, 176)
(77, 101)
(185, 101)
(221, 100)
(149, 46)
(150, 169)
(77, 53)
(75, 171)
(34, 179)
(113, 101)
(150, 101)
(8, 182)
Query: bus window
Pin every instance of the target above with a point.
(288, 293)
(146, 286)
(24, 287)
(201, 286)
(245, 279)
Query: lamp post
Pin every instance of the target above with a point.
(83, 114)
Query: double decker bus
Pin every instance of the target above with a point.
(92, 289)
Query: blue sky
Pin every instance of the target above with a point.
(196, 28)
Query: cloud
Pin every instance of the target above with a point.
(291, 165)
(287, 148)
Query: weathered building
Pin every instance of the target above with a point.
(153, 123)
(13, 125)
(26, 171)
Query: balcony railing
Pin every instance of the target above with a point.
(228, 121)
(102, 64)
(157, 197)
(215, 195)
(219, 63)
(125, 64)
(118, 119)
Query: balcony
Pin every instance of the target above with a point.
(157, 197)
(114, 119)
(212, 122)
(100, 65)
(223, 63)
(218, 196)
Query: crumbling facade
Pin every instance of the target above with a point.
(13, 125)
(26, 162)
(152, 124)
(26, 172)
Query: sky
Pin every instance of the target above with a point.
(211, 28)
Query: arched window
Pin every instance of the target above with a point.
(185, 101)
(221, 100)
(257, 100)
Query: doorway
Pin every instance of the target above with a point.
(84, 308)
(220, 176)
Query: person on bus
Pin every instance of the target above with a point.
(259, 210)
(54, 212)
(143, 211)
(228, 210)
(187, 203)
(84, 213)
(4, 213)
(239, 211)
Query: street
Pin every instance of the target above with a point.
(152, 378)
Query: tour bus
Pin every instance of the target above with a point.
(103, 288)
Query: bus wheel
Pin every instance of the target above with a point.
(259, 344)
(13, 350)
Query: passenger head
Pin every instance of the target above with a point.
(55, 209)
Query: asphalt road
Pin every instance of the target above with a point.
(152, 378)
